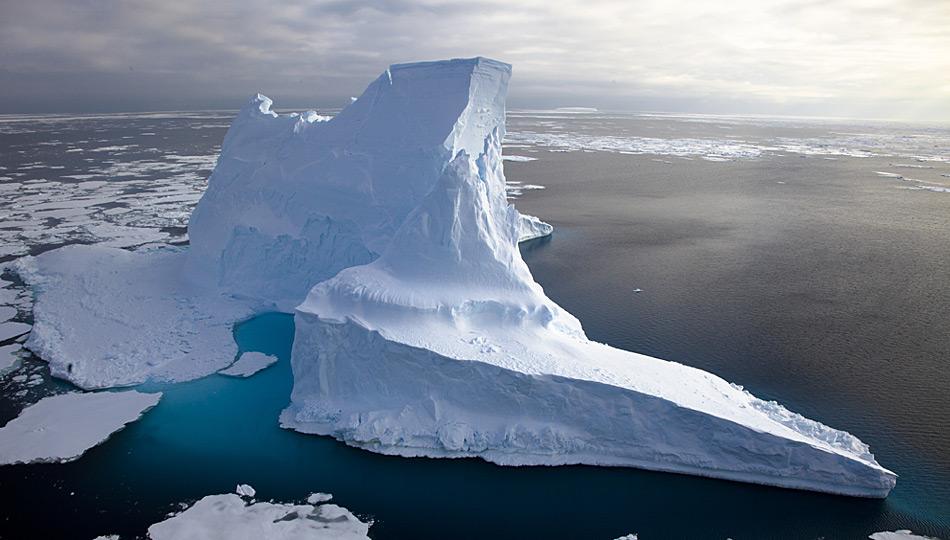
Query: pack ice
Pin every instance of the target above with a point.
(419, 329)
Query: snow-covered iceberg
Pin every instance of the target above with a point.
(293, 201)
(445, 346)
(421, 330)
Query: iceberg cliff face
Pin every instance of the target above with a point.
(293, 201)
(445, 346)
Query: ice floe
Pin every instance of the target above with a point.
(9, 357)
(248, 364)
(10, 330)
(902, 534)
(63, 427)
(229, 517)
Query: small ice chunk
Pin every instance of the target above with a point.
(9, 358)
(519, 158)
(61, 428)
(627, 537)
(248, 364)
(317, 498)
(638, 290)
(245, 490)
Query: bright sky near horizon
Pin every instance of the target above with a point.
(859, 58)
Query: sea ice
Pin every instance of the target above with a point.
(9, 357)
(62, 427)
(229, 517)
(902, 534)
(107, 317)
(248, 364)
(10, 330)
(7, 313)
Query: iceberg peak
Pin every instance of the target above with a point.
(298, 201)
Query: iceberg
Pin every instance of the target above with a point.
(445, 346)
(293, 201)
(420, 331)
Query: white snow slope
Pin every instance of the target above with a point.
(445, 346)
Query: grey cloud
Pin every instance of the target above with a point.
(870, 58)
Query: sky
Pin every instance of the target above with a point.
(852, 58)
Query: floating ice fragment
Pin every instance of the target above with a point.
(248, 364)
(61, 428)
(9, 357)
(245, 490)
(316, 498)
(10, 330)
(902, 534)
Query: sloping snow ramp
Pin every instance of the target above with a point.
(445, 346)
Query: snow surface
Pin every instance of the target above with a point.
(470, 358)
(229, 517)
(62, 427)
(248, 364)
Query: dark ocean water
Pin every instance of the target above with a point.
(769, 253)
